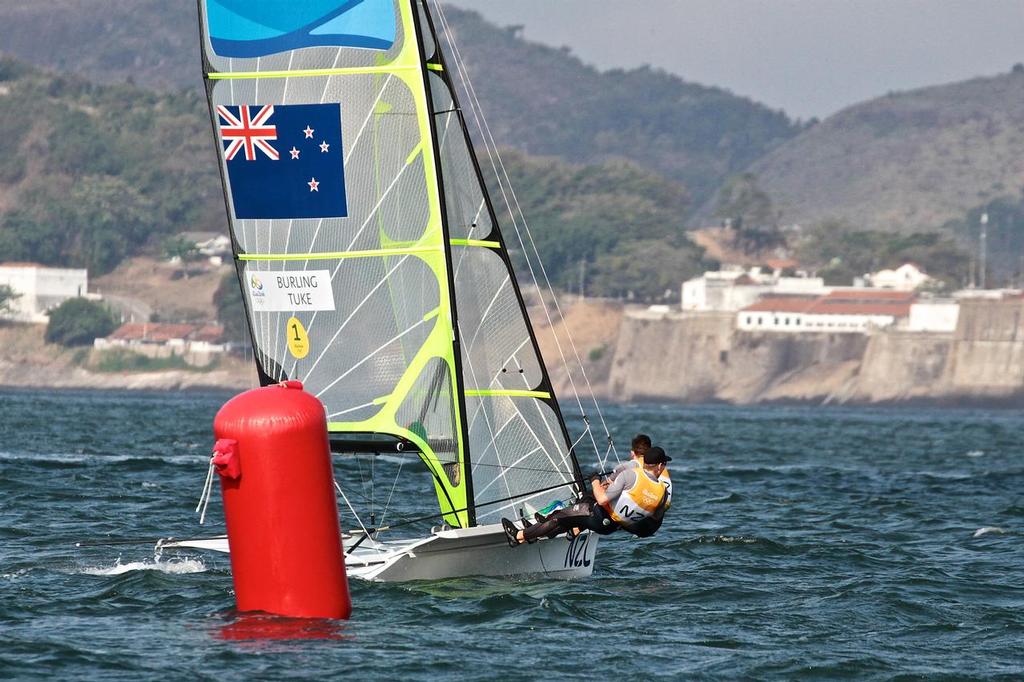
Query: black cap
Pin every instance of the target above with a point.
(656, 456)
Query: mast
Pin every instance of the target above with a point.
(459, 383)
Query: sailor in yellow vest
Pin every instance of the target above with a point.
(639, 492)
(627, 502)
(641, 444)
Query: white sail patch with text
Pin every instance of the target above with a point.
(291, 291)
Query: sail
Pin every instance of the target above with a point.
(520, 453)
(367, 273)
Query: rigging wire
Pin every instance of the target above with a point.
(352, 509)
(504, 181)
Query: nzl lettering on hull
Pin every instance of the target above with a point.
(304, 290)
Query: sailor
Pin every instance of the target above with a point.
(634, 495)
(641, 444)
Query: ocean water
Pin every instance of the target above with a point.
(802, 543)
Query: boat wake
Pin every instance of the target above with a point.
(175, 566)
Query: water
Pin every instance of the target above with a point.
(801, 543)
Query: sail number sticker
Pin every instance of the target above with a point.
(294, 291)
(298, 340)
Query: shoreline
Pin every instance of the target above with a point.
(171, 382)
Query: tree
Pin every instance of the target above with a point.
(749, 212)
(7, 296)
(178, 247)
(79, 322)
(230, 309)
(840, 252)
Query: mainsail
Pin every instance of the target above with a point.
(368, 250)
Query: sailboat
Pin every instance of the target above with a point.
(374, 272)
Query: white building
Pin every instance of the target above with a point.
(209, 243)
(734, 289)
(906, 277)
(849, 311)
(933, 316)
(39, 289)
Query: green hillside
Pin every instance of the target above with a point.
(615, 226)
(906, 162)
(538, 99)
(92, 174)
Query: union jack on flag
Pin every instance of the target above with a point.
(248, 132)
(284, 160)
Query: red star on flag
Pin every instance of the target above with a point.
(294, 152)
(309, 132)
(314, 186)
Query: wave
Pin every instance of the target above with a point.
(173, 566)
(82, 458)
(988, 530)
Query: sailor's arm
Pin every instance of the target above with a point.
(599, 493)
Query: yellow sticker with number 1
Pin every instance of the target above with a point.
(298, 340)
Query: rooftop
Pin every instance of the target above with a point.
(842, 302)
(782, 304)
(156, 332)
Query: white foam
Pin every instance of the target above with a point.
(988, 530)
(976, 453)
(164, 566)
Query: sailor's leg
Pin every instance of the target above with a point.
(559, 522)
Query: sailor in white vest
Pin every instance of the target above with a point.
(635, 501)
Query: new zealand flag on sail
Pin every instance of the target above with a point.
(284, 160)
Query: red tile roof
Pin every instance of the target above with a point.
(152, 331)
(781, 304)
(849, 302)
(211, 333)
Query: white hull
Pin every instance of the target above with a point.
(479, 551)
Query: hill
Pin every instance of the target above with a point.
(538, 99)
(904, 162)
(93, 174)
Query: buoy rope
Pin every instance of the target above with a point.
(204, 499)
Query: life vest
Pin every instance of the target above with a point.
(640, 501)
(665, 479)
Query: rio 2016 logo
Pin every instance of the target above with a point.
(256, 285)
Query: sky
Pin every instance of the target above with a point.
(810, 58)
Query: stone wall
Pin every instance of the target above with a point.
(699, 357)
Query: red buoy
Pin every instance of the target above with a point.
(274, 462)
